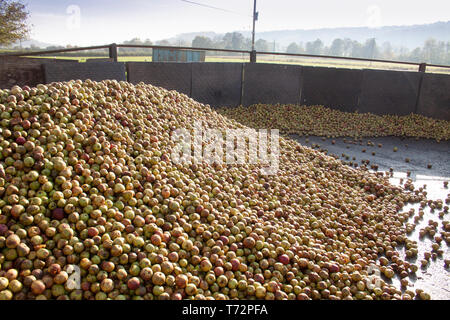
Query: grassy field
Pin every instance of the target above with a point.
(305, 61)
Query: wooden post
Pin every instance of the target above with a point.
(113, 52)
(253, 56)
(422, 67)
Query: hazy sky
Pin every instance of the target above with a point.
(90, 22)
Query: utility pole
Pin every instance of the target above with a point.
(255, 17)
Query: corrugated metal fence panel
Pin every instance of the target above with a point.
(189, 56)
(195, 56)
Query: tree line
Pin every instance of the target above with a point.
(433, 51)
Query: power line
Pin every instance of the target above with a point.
(215, 8)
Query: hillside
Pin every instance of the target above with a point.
(399, 36)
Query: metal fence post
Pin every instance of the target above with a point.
(113, 52)
(253, 56)
(422, 67)
(241, 99)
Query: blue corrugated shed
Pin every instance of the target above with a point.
(173, 55)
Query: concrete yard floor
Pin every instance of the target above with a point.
(435, 279)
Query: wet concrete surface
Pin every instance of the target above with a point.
(435, 278)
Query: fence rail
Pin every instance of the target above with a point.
(113, 54)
